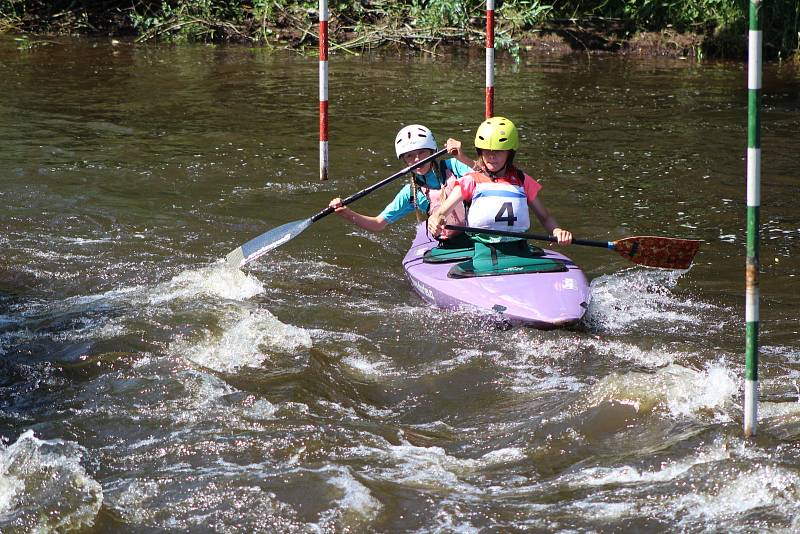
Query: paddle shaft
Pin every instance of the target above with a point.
(258, 246)
(651, 251)
(355, 196)
(538, 237)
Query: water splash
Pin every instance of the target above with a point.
(734, 494)
(630, 475)
(643, 300)
(677, 390)
(355, 507)
(247, 338)
(216, 281)
(431, 467)
(43, 486)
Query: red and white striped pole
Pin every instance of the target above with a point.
(323, 89)
(489, 58)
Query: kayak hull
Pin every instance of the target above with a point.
(543, 300)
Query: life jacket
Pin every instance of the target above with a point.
(458, 216)
(499, 205)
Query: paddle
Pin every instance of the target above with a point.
(258, 246)
(662, 252)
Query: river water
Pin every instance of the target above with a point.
(146, 388)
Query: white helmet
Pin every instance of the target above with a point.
(413, 137)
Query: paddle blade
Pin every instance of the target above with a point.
(663, 252)
(258, 246)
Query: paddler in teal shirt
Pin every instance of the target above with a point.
(424, 192)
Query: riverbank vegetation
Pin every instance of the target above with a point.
(699, 28)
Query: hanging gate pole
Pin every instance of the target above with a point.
(323, 89)
(489, 58)
(753, 215)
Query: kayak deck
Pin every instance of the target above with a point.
(543, 300)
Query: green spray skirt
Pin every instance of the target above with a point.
(457, 248)
(508, 257)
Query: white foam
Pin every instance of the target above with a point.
(369, 368)
(462, 358)
(786, 353)
(246, 337)
(642, 299)
(767, 410)
(10, 486)
(44, 487)
(132, 502)
(532, 363)
(712, 389)
(630, 475)
(503, 456)
(657, 357)
(357, 499)
(84, 241)
(261, 410)
(339, 338)
(432, 467)
(92, 329)
(680, 391)
(202, 399)
(763, 488)
(427, 467)
(447, 522)
(216, 281)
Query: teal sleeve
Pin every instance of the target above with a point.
(401, 206)
(458, 168)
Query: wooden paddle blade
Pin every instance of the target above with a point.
(663, 252)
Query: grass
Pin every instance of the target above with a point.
(418, 23)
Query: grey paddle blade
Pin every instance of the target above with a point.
(258, 246)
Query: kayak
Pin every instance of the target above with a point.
(543, 300)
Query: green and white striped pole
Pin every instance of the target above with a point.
(753, 207)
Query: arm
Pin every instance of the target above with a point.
(549, 222)
(373, 224)
(453, 147)
(436, 220)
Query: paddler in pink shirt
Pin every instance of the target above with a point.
(498, 195)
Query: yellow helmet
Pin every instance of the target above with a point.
(497, 133)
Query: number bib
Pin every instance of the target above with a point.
(499, 206)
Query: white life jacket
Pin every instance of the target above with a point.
(499, 205)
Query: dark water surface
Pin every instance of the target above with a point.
(144, 387)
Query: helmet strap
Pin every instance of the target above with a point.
(507, 168)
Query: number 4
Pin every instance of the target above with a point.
(506, 213)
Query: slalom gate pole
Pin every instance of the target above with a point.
(755, 41)
(489, 58)
(323, 89)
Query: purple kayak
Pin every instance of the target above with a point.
(540, 299)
